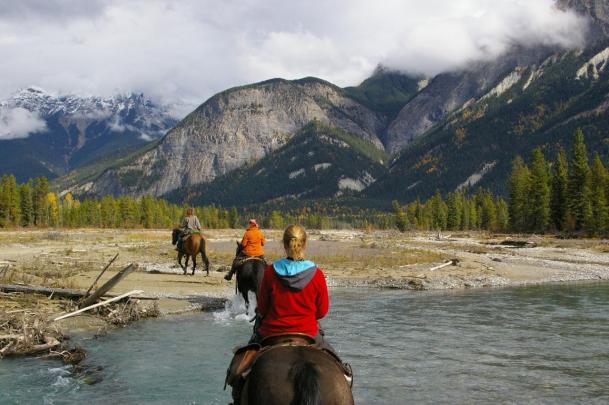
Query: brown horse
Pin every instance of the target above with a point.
(296, 375)
(191, 247)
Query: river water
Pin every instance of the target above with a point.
(543, 344)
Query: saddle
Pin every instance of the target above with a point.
(246, 356)
(239, 260)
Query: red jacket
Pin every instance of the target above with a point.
(289, 305)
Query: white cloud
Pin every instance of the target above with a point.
(18, 123)
(116, 125)
(186, 51)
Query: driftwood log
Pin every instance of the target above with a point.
(99, 304)
(100, 274)
(107, 286)
(55, 292)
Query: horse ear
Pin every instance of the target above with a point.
(237, 242)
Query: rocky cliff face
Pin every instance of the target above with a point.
(597, 10)
(236, 127)
(449, 92)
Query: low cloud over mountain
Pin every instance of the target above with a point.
(191, 49)
(16, 123)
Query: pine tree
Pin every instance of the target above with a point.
(559, 191)
(439, 212)
(109, 210)
(487, 213)
(3, 204)
(233, 218)
(41, 189)
(27, 207)
(454, 202)
(401, 219)
(503, 217)
(473, 215)
(579, 183)
(275, 220)
(465, 215)
(10, 207)
(519, 188)
(600, 212)
(539, 201)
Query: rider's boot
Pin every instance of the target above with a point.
(229, 275)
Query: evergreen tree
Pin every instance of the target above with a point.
(10, 207)
(519, 187)
(559, 191)
(579, 183)
(539, 201)
(473, 215)
(600, 212)
(41, 189)
(465, 215)
(275, 220)
(503, 217)
(487, 213)
(233, 218)
(108, 210)
(27, 205)
(439, 212)
(454, 203)
(401, 219)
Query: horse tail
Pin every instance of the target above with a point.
(306, 384)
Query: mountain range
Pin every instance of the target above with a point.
(42, 134)
(395, 136)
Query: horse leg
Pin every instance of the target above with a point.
(247, 301)
(180, 256)
(185, 268)
(194, 264)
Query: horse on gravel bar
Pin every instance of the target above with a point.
(191, 247)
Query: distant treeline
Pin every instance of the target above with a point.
(565, 194)
(32, 204)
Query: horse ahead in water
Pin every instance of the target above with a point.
(249, 275)
(296, 375)
(191, 247)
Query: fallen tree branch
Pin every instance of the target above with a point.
(451, 262)
(55, 292)
(111, 300)
(107, 286)
(100, 274)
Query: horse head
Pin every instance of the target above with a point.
(175, 235)
(239, 248)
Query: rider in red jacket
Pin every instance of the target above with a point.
(293, 294)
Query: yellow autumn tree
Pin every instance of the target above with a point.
(52, 209)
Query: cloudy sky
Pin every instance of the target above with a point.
(185, 51)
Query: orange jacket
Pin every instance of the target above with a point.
(253, 242)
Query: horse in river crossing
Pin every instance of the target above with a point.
(296, 375)
(250, 271)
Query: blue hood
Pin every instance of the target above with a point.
(287, 267)
(295, 274)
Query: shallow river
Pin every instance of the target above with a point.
(519, 345)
